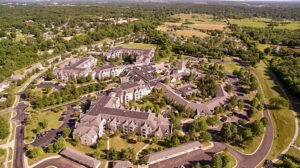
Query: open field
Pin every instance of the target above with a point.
(195, 21)
(263, 22)
(190, 33)
(283, 118)
(139, 46)
(50, 116)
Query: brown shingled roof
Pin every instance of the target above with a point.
(80, 158)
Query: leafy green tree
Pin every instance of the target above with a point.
(278, 102)
(59, 144)
(66, 132)
(205, 137)
(216, 161)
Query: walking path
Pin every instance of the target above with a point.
(137, 154)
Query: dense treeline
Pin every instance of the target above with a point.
(288, 69)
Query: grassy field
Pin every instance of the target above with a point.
(283, 119)
(119, 143)
(297, 142)
(7, 117)
(190, 33)
(2, 158)
(195, 21)
(50, 116)
(251, 147)
(263, 22)
(139, 46)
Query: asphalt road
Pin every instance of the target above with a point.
(18, 160)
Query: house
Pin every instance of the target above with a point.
(181, 150)
(108, 71)
(103, 114)
(80, 158)
(76, 68)
(180, 67)
(122, 164)
(187, 89)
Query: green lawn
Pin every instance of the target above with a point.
(297, 142)
(7, 117)
(251, 147)
(139, 46)
(190, 33)
(50, 116)
(119, 143)
(230, 66)
(283, 119)
(2, 159)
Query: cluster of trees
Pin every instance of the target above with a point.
(246, 79)
(124, 154)
(34, 151)
(208, 86)
(287, 69)
(288, 162)
(70, 92)
(256, 105)
(221, 160)
(243, 134)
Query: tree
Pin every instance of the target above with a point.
(265, 121)
(66, 132)
(288, 163)
(257, 128)
(278, 102)
(48, 89)
(59, 144)
(35, 152)
(43, 123)
(226, 132)
(216, 161)
(226, 161)
(4, 128)
(205, 137)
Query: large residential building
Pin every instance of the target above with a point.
(76, 68)
(108, 71)
(80, 158)
(141, 56)
(102, 114)
(131, 91)
(170, 153)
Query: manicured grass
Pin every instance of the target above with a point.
(120, 143)
(297, 142)
(139, 46)
(2, 159)
(251, 147)
(50, 116)
(261, 47)
(41, 157)
(7, 117)
(190, 33)
(232, 159)
(283, 119)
